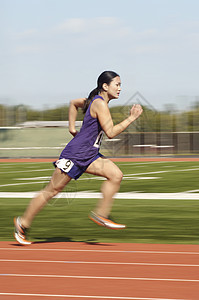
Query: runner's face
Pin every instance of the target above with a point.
(114, 88)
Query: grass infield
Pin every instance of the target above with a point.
(66, 219)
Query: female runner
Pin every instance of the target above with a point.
(81, 155)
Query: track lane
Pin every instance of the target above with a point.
(91, 278)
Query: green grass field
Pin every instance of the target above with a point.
(148, 220)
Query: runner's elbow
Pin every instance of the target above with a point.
(73, 103)
(110, 135)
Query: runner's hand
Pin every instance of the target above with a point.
(136, 111)
(73, 132)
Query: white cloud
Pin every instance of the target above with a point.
(81, 25)
(147, 54)
(105, 21)
(28, 49)
(108, 32)
(150, 33)
(71, 26)
(29, 33)
(112, 31)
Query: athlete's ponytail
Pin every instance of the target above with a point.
(105, 77)
(92, 94)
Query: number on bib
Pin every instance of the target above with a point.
(64, 164)
(98, 141)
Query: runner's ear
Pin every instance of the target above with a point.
(105, 87)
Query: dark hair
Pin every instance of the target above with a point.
(105, 77)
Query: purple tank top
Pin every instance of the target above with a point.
(85, 145)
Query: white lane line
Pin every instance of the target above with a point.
(83, 296)
(96, 262)
(99, 250)
(126, 195)
(99, 277)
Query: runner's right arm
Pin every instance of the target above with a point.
(72, 115)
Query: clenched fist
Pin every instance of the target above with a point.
(136, 111)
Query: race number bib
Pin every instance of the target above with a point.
(64, 164)
(98, 141)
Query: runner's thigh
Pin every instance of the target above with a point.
(106, 168)
(58, 180)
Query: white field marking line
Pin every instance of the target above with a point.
(22, 183)
(148, 173)
(102, 251)
(25, 171)
(83, 296)
(165, 171)
(80, 179)
(139, 178)
(95, 195)
(136, 163)
(5, 166)
(27, 164)
(34, 178)
(96, 262)
(99, 277)
(192, 191)
(125, 177)
(94, 178)
(141, 163)
(153, 172)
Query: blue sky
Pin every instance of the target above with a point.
(53, 50)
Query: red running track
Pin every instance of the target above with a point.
(99, 271)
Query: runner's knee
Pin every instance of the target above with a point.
(117, 176)
(120, 176)
(52, 191)
(55, 192)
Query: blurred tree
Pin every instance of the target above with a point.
(151, 120)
